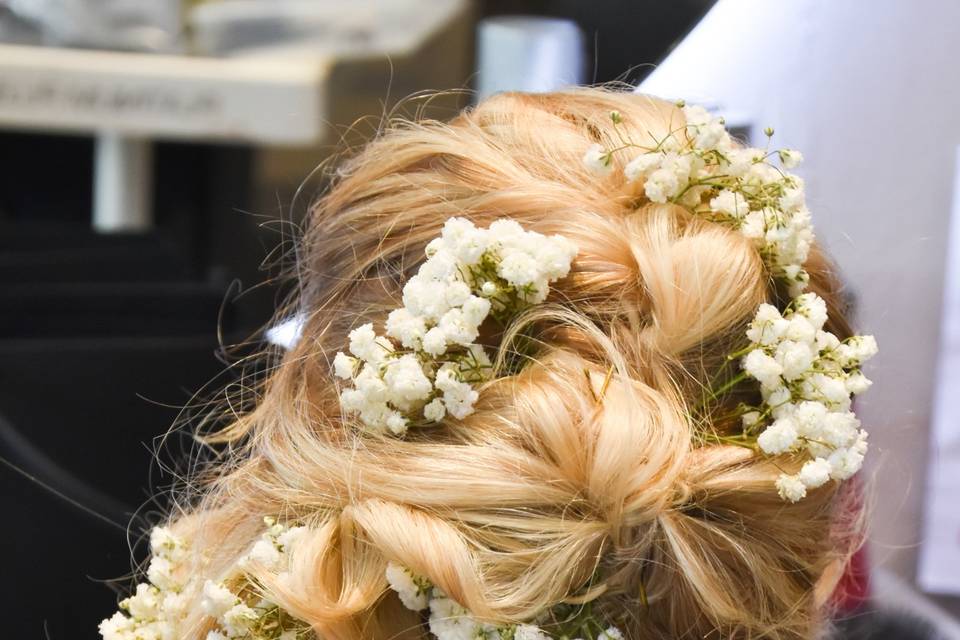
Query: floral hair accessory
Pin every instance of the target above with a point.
(158, 608)
(428, 362)
(806, 374)
(450, 621)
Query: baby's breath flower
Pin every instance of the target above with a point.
(413, 591)
(790, 158)
(806, 376)
(791, 488)
(598, 160)
(815, 473)
(469, 275)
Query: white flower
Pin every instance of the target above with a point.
(730, 203)
(216, 599)
(790, 488)
(799, 329)
(763, 368)
(695, 116)
(810, 417)
(291, 537)
(351, 400)
(371, 385)
(831, 391)
(458, 397)
(406, 381)
(844, 463)
(406, 327)
(438, 268)
(396, 423)
(164, 543)
(778, 437)
(857, 350)
(434, 410)
(857, 383)
(363, 342)
(343, 365)
(238, 620)
(598, 160)
(161, 572)
(144, 604)
(740, 160)
(117, 627)
(754, 225)
(813, 308)
(450, 621)
(444, 306)
(826, 341)
(662, 185)
(750, 419)
(610, 633)
(215, 635)
(457, 293)
(641, 166)
(768, 326)
(476, 310)
(792, 199)
(529, 632)
(711, 136)
(466, 242)
(815, 473)
(457, 327)
(790, 158)
(413, 591)
(794, 358)
(435, 341)
(555, 254)
(839, 428)
(518, 268)
(175, 605)
(263, 553)
(777, 398)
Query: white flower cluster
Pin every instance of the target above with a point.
(157, 607)
(705, 171)
(427, 363)
(450, 621)
(244, 614)
(807, 377)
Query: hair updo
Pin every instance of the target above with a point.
(583, 475)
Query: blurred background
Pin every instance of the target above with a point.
(157, 158)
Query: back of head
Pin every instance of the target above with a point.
(597, 471)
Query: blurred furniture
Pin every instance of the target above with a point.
(266, 86)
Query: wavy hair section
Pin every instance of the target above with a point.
(583, 475)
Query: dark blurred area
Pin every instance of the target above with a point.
(108, 326)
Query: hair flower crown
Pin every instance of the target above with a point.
(427, 364)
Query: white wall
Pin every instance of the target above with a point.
(869, 92)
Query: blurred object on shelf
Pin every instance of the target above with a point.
(128, 25)
(623, 40)
(528, 53)
(316, 27)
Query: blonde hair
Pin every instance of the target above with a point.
(586, 475)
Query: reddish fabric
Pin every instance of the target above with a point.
(854, 587)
